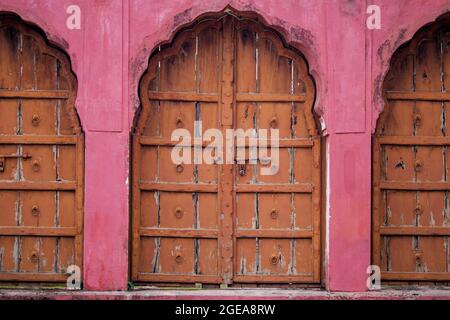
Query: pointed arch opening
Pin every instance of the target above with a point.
(410, 162)
(41, 158)
(224, 222)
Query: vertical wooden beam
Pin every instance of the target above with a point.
(227, 170)
(316, 197)
(79, 201)
(136, 198)
(376, 202)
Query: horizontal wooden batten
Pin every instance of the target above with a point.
(265, 278)
(415, 231)
(426, 186)
(43, 140)
(284, 234)
(288, 143)
(416, 276)
(424, 96)
(33, 277)
(265, 97)
(178, 187)
(38, 231)
(282, 143)
(34, 94)
(183, 96)
(150, 141)
(240, 97)
(414, 140)
(38, 186)
(173, 278)
(286, 188)
(178, 233)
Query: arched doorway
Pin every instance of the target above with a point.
(411, 217)
(226, 222)
(41, 158)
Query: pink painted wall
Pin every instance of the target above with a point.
(110, 52)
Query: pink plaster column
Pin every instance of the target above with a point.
(106, 223)
(106, 212)
(349, 211)
(99, 56)
(349, 149)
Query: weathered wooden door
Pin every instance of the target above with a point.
(411, 217)
(225, 222)
(41, 159)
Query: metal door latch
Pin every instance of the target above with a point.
(242, 163)
(242, 169)
(3, 158)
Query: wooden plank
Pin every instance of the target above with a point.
(174, 256)
(392, 122)
(265, 278)
(42, 140)
(178, 233)
(180, 187)
(34, 277)
(418, 96)
(376, 202)
(174, 278)
(169, 172)
(34, 94)
(9, 109)
(282, 143)
(183, 96)
(136, 207)
(316, 207)
(226, 178)
(273, 211)
(414, 140)
(276, 234)
(79, 209)
(398, 164)
(152, 141)
(416, 276)
(416, 231)
(266, 97)
(171, 210)
(286, 143)
(44, 186)
(9, 62)
(39, 231)
(208, 61)
(245, 205)
(430, 186)
(38, 186)
(299, 187)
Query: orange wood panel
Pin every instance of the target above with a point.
(37, 111)
(226, 222)
(411, 246)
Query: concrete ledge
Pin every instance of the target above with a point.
(228, 294)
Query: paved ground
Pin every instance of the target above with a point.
(237, 294)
